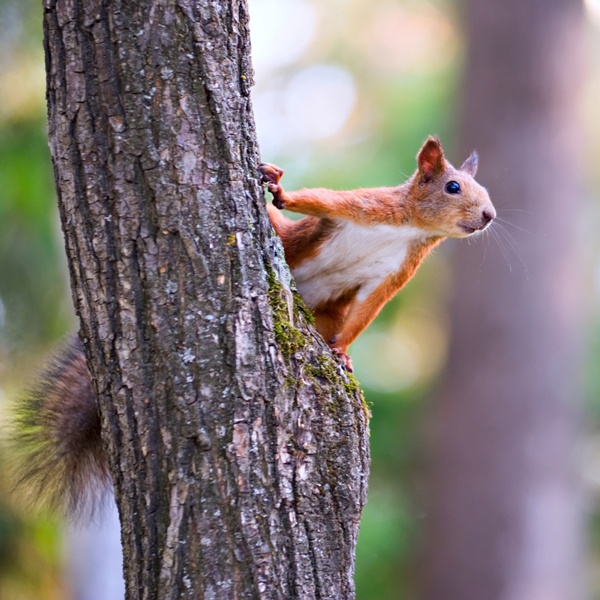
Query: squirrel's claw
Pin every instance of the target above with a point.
(270, 175)
(278, 201)
(344, 359)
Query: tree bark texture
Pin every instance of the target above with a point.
(238, 447)
(505, 518)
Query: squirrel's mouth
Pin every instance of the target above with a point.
(470, 228)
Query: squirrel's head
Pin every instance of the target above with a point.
(448, 201)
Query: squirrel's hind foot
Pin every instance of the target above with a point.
(344, 359)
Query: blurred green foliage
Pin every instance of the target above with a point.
(34, 300)
(34, 305)
(32, 286)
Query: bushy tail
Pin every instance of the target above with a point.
(57, 432)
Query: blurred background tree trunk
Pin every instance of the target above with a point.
(505, 519)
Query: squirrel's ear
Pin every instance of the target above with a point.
(430, 159)
(470, 165)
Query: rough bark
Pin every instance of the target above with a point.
(238, 447)
(505, 519)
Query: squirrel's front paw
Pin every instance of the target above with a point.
(270, 174)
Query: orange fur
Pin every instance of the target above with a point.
(301, 239)
(356, 249)
(330, 316)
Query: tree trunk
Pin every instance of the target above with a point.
(505, 520)
(238, 447)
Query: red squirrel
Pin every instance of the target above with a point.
(349, 256)
(358, 248)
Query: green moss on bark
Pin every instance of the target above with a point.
(290, 339)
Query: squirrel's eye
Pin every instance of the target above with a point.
(453, 187)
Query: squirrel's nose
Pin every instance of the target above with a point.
(488, 214)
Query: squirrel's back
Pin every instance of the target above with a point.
(57, 429)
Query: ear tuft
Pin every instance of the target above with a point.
(470, 165)
(430, 159)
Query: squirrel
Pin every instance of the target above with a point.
(350, 255)
(356, 249)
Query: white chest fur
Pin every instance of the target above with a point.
(354, 256)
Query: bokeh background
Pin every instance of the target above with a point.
(482, 374)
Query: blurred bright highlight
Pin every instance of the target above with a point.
(593, 8)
